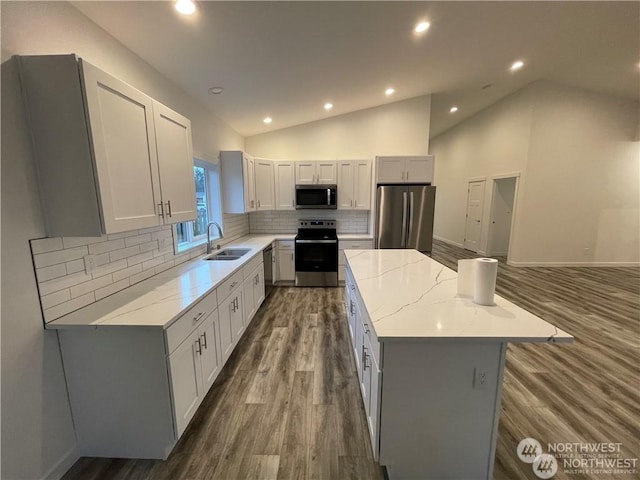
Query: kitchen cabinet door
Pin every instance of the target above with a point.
(305, 172)
(210, 357)
(249, 182)
(258, 288)
(265, 184)
(175, 162)
(326, 172)
(374, 403)
(359, 341)
(285, 185)
(186, 380)
(237, 316)
(419, 169)
(125, 153)
(237, 182)
(362, 185)
(248, 299)
(391, 170)
(346, 178)
(286, 265)
(225, 310)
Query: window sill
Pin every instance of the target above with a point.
(184, 247)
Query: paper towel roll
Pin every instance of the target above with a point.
(486, 270)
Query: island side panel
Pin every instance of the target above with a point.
(119, 391)
(434, 423)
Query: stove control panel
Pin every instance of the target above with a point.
(317, 224)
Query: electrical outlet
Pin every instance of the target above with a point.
(90, 263)
(586, 251)
(479, 379)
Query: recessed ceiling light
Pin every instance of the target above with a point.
(328, 106)
(185, 7)
(422, 27)
(453, 109)
(389, 91)
(267, 120)
(516, 65)
(216, 90)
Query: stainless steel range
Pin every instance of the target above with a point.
(316, 248)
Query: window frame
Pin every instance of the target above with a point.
(214, 211)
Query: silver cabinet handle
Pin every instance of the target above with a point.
(232, 286)
(293, 203)
(204, 337)
(251, 203)
(407, 174)
(198, 346)
(232, 305)
(292, 257)
(197, 317)
(258, 203)
(351, 309)
(403, 239)
(169, 208)
(161, 209)
(366, 328)
(365, 360)
(237, 304)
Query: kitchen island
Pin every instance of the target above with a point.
(430, 363)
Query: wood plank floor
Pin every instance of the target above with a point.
(287, 404)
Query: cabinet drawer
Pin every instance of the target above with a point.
(286, 244)
(181, 328)
(251, 265)
(229, 285)
(355, 244)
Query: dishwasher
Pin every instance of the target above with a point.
(267, 255)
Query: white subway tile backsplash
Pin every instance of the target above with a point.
(54, 271)
(58, 256)
(348, 221)
(44, 245)
(122, 259)
(105, 247)
(91, 285)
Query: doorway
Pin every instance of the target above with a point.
(473, 228)
(502, 205)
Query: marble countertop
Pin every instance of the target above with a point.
(409, 296)
(161, 299)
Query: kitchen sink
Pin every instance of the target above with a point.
(228, 254)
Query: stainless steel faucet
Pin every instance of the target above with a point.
(209, 246)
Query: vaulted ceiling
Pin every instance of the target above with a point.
(287, 59)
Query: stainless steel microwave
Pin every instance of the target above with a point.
(316, 196)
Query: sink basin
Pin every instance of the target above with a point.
(228, 254)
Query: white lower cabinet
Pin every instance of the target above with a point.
(231, 322)
(253, 292)
(194, 366)
(286, 261)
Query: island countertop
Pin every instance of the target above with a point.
(409, 296)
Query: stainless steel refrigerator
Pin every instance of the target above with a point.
(405, 216)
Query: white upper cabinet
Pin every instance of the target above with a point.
(417, 169)
(265, 184)
(285, 185)
(101, 148)
(175, 159)
(354, 184)
(238, 182)
(316, 172)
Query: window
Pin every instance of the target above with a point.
(190, 234)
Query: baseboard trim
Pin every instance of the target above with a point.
(450, 242)
(573, 264)
(64, 465)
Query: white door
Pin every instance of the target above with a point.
(346, 171)
(362, 185)
(265, 184)
(326, 172)
(473, 230)
(501, 215)
(249, 183)
(419, 170)
(175, 162)
(305, 172)
(248, 300)
(210, 358)
(226, 329)
(186, 380)
(390, 170)
(125, 154)
(258, 287)
(285, 185)
(237, 316)
(286, 265)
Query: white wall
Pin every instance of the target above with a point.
(583, 180)
(399, 128)
(37, 432)
(579, 158)
(493, 142)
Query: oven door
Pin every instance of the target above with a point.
(316, 255)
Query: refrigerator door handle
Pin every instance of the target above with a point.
(410, 215)
(403, 242)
